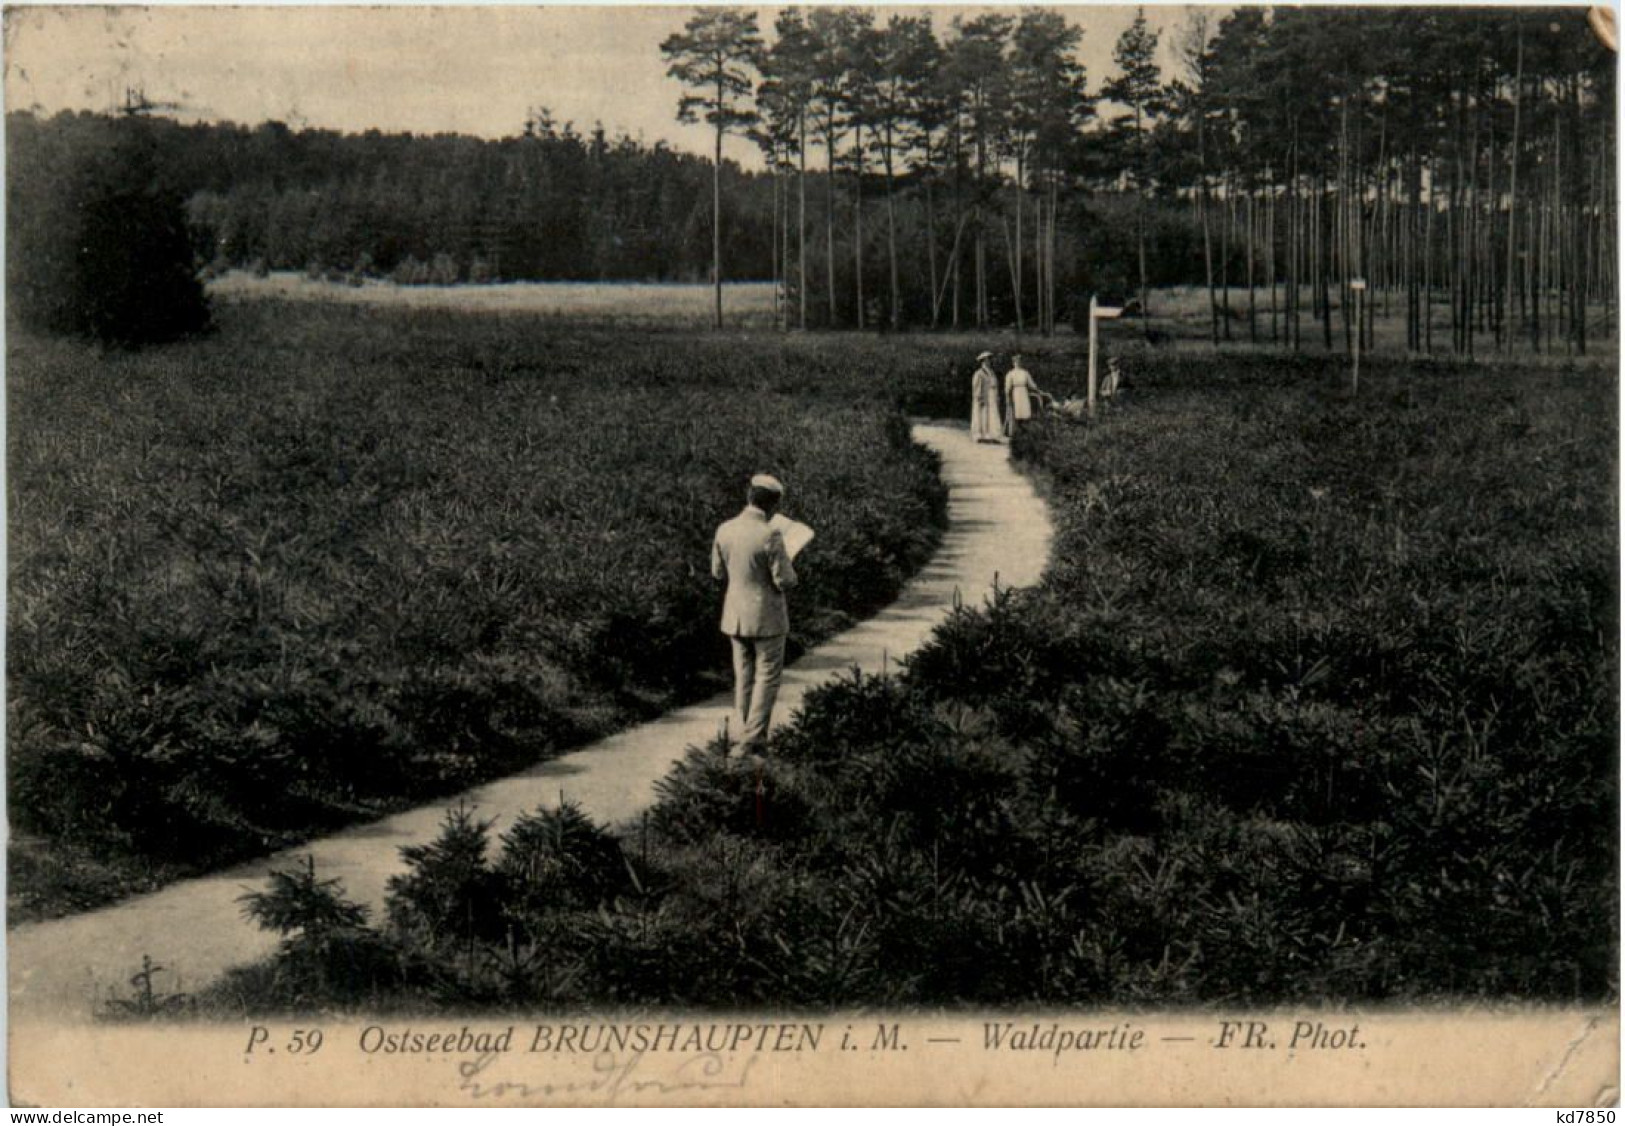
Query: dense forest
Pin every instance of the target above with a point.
(1460, 161)
(549, 204)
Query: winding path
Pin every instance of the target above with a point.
(999, 531)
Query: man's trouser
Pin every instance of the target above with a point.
(758, 664)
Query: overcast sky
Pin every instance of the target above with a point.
(474, 70)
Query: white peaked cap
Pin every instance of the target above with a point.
(767, 481)
(985, 356)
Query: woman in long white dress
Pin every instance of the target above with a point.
(985, 422)
(1019, 390)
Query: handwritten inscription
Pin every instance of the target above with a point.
(612, 1077)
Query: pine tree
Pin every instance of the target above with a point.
(99, 241)
(1138, 86)
(1049, 107)
(788, 69)
(714, 54)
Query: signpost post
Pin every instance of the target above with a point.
(1097, 312)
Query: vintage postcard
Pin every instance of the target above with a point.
(730, 556)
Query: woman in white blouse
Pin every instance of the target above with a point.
(1019, 390)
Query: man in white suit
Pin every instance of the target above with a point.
(750, 554)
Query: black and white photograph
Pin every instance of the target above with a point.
(825, 555)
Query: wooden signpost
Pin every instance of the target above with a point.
(1097, 312)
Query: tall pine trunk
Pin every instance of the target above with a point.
(1015, 249)
(1049, 248)
(1204, 206)
(1269, 253)
(1427, 261)
(857, 221)
(716, 217)
(801, 220)
(931, 240)
(1578, 267)
(956, 257)
(1252, 242)
(891, 236)
(1139, 211)
(1224, 252)
(1294, 246)
(1342, 235)
(1323, 236)
(829, 216)
(778, 262)
(1040, 267)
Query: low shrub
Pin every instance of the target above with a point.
(352, 575)
(97, 240)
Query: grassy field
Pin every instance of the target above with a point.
(1179, 314)
(1317, 703)
(745, 304)
(340, 558)
(1180, 317)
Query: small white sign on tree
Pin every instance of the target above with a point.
(1357, 285)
